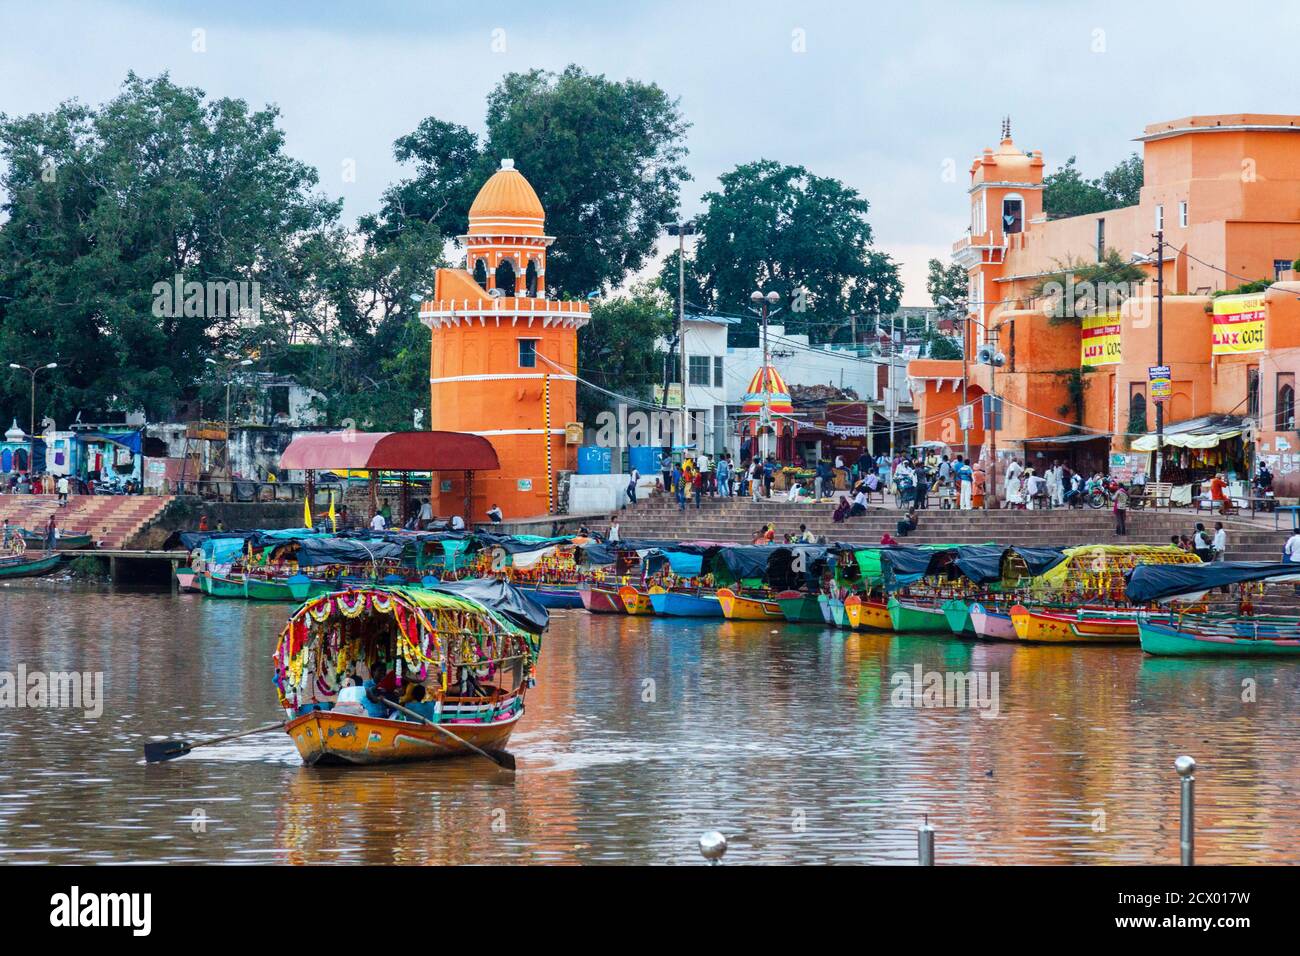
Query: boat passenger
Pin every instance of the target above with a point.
(373, 701)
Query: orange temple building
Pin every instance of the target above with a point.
(1225, 190)
(504, 356)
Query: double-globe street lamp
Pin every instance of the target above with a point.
(763, 308)
(31, 434)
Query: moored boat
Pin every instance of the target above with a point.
(907, 617)
(63, 541)
(557, 596)
(635, 601)
(601, 600)
(741, 607)
(867, 615)
(799, 607)
(187, 579)
(991, 624)
(27, 565)
(839, 613)
(685, 603)
(1078, 626)
(1239, 638)
(462, 666)
(957, 613)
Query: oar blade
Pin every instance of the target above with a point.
(504, 759)
(159, 750)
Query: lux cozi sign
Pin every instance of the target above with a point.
(1101, 340)
(1238, 324)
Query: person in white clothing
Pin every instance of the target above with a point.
(457, 523)
(612, 537)
(377, 523)
(1291, 550)
(1220, 544)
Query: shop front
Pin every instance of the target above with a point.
(1194, 451)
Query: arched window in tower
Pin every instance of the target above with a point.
(1013, 214)
(506, 276)
(530, 278)
(480, 274)
(1137, 414)
(1286, 401)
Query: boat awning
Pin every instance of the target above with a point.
(390, 451)
(1190, 582)
(1075, 439)
(1204, 432)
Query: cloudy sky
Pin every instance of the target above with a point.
(881, 95)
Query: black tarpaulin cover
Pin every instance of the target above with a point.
(1162, 582)
(909, 565)
(317, 551)
(982, 564)
(501, 597)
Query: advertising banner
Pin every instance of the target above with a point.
(1101, 342)
(1160, 386)
(1238, 324)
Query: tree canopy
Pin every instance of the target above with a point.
(781, 228)
(616, 349)
(1067, 193)
(605, 158)
(950, 281)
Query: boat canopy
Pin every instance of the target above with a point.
(1190, 582)
(994, 564)
(314, 552)
(1096, 564)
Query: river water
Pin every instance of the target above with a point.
(797, 742)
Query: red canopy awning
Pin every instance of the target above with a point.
(391, 451)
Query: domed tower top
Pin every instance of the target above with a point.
(507, 205)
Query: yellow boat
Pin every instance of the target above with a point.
(738, 607)
(470, 663)
(867, 614)
(634, 601)
(1080, 626)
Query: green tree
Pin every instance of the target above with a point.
(616, 349)
(605, 158)
(1067, 193)
(103, 203)
(783, 229)
(1078, 288)
(950, 281)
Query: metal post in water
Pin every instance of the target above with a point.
(925, 843)
(1186, 768)
(713, 845)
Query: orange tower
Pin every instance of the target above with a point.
(504, 356)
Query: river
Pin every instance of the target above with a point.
(642, 734)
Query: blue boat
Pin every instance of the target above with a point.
(685, 603)
(553, 595)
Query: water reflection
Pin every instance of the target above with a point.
(642, 734)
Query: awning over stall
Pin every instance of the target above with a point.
(390, 451)
(1204, 432)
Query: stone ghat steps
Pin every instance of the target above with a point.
(111, 520)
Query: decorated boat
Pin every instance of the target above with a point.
(601, 599)
(555, 596)
(187, 579)
(799, 607)
(742, 607)
(685, 603)
(1212, 610)
(462, 665)
(868, 615)
(1075, 626)
(251, 587)
(824, 605)
(991, 623)
(957, 612)
(912, 617)
(839, 613)
(635, 601)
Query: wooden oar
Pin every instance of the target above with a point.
(501, 758)
(160, 750)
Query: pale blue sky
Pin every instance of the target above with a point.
(883, 94)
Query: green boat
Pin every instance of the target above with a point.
(22, 566)
(64, 541)
(1240, 637)
(800, 608)
(957, 613)
(249, 589)
(838, 617)
(915, 619)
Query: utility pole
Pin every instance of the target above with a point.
(31, 432)
(1160, 343)
(891, 402)
(765, 414)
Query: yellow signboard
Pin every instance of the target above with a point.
(1238, 324)
(1101, 342)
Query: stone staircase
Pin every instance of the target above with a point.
(112, 520)
(735, 520)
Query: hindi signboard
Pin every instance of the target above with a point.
(1159, 385)
(1101, 340)
(1238, 324)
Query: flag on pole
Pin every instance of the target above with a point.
(306, 513)
(334, 521)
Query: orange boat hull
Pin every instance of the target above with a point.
(326, 737)
(867, 614)
(634, 601)
(1048, 627)
(736, 607)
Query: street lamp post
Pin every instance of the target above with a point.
(948, 303)
(681, 230)
(31, 434)
(764, 304)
